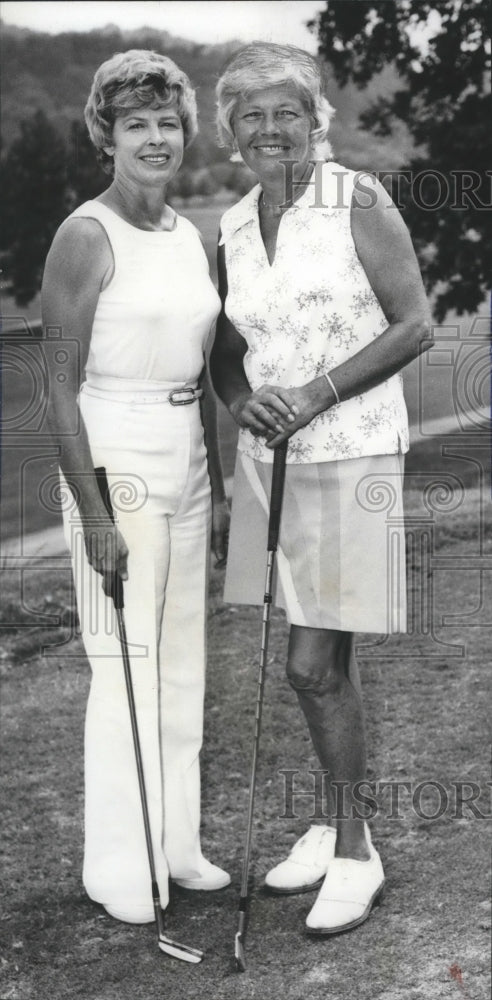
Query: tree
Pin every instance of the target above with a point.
(34, 203)
(441, 54)
(86, 178)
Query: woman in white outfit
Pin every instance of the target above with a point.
(323, 304)
(127, 282)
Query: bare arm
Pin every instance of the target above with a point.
(78, 264)
(226, 359)
(385, 250)
(220, 507)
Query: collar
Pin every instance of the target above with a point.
(246, 211)
(239, 215)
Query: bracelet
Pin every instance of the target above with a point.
(330, 383)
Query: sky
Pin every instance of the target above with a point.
(208, 21)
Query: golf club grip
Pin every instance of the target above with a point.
(116, 582)
(278, 477)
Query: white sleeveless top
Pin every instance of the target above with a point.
(153, 319)
(308, 312)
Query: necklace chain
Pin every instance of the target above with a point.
(277, 209)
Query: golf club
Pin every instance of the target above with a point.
(170, 947)
(277, 490)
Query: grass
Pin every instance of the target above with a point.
(427, 721)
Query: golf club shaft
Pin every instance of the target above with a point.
(265, 629)
(171, 947)
(166, 944)
(278, 477)
(118, 601)
(139, 763)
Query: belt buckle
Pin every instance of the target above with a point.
(176, 396)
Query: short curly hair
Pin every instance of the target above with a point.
(266, 64)
(137, 78)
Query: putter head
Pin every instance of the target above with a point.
(181, 951)
(239, 952)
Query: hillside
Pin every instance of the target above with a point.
(54, 73)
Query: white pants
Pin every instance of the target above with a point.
(155, 460)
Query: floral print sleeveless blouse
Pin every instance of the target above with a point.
(307, 313)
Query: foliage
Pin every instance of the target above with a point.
(34, 203)
(442, 58)
(44, 178)
(49, 166)
(85, 177)
(54, 73)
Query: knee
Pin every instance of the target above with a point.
(317, 660)
(316, 677)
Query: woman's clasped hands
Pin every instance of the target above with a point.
(276, 413)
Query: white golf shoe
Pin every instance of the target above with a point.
(306, 866)
(211, 878)
(350, 890)
(131, 914)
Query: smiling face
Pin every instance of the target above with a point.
(147, 144)
(271, 125)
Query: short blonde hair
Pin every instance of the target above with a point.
(136, 79)
(265, 64)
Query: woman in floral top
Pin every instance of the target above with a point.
(323, 305)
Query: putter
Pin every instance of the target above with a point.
(278, 477)
(166, 944)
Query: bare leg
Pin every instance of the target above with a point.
(321, 669)
(354, 677)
